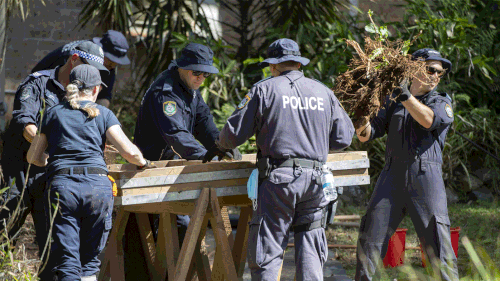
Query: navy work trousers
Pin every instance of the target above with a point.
(287, 198)
(407, 187)
(82, 223)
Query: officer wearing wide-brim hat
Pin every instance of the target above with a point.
(297, 121)
(174, 121)
(283, 50)
(115, 47)
(411, 182)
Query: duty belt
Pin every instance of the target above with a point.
(295, 162)
(266, 165)
(81, 171)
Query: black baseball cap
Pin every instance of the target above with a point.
(115, 46)
(87, 74)
(197, 57)
(92, 53)
(428, 54)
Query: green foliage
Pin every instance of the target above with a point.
(220, 120)
(464, 31)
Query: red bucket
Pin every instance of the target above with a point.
(455, 235)
(395, 255)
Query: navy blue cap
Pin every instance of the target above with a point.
(197, 57)
(92, 53)
(428, 54)
(115, 46)
(283, 50)
(88, 75)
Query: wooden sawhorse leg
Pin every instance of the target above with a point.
(207, 204)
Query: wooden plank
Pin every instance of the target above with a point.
(187, 195)
(240, 242)
(174, 163)
(346, 180)
(142, 190)
(221, 238)
(248, 160)
(169, 180)
(167, 246)
(191, 238)
(184, 186)
(236, 200)
(148, 243)
(117, 270)
(180, 208)
(207, 167)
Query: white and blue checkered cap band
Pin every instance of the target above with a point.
(88, 56)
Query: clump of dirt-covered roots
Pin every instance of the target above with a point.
(373, 75)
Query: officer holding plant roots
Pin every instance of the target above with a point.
(411, 182)
(297, 121)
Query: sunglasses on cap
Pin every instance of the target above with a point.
(431, 70)
(198, 73)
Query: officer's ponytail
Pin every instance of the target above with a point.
(73, 91)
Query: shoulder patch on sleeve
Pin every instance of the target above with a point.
(26, 93)
(448, 110)
(244, 102)
(169, 108)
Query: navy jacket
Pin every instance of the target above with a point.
(59, 57)
(40, 90)
(292, 117)
(407, 140)
(173, 118)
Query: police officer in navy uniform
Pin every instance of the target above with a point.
(115, 48)
(297, 121)
(411, 182)
(74, 134)
(173, 121)
(39, 91)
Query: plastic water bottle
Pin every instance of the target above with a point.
(327, 181)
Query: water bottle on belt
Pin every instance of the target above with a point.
(327, 182)
(253, 187)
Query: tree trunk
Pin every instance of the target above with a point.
(3, 43)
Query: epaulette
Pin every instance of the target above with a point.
(167, 86)
(265, 79)
(436, 94)
(445, 95)
(40, 73)
(320, 82)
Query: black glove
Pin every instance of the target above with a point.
(221, 153)
(212, 152)
(234, 154)
(404, 94)
(148, 165)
